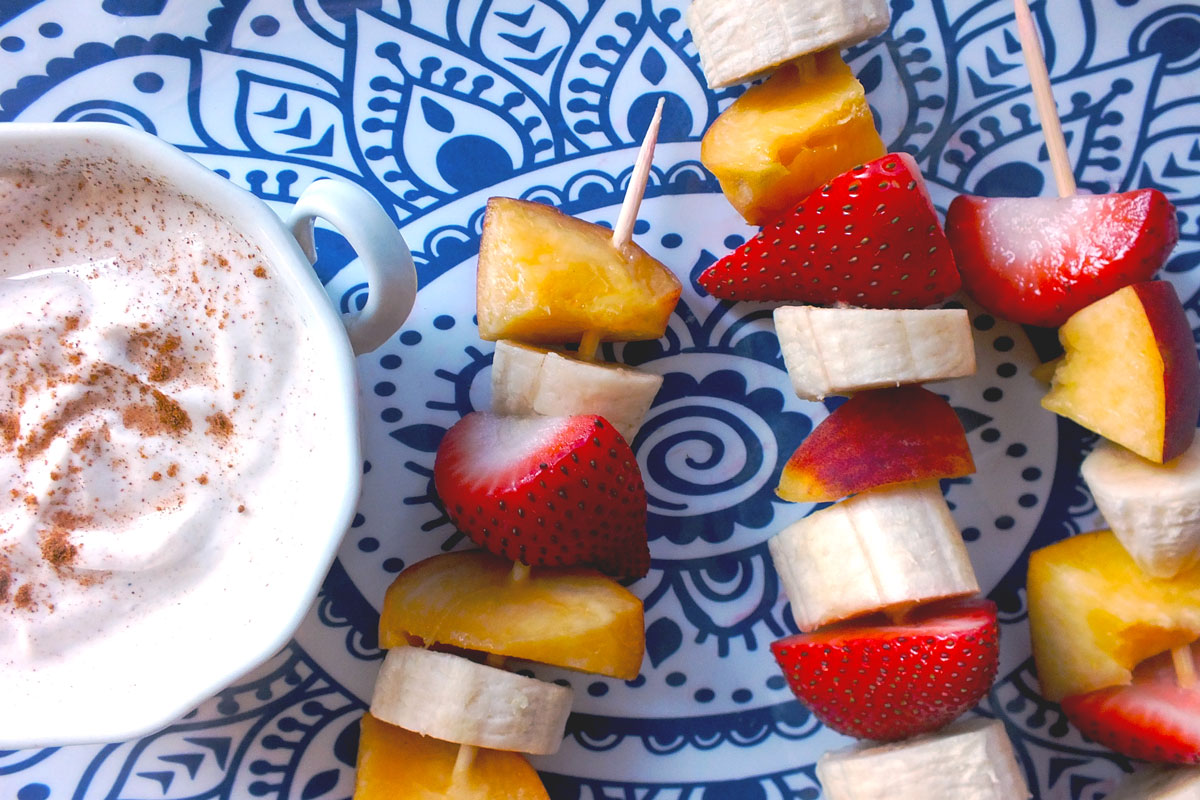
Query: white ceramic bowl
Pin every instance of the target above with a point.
(131, 679)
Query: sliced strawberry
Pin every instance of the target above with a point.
(1154, 718)
(873, 680)
(1038, 260)
(870, 238)
(878, 438)
(546, 491)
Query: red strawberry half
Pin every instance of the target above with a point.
(546, 491)
(873, 680)
(1154, 718)
(870, 238)
(1038, 260)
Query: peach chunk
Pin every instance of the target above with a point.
(547, 278)
(809, 122)
(566, 617)
(1130, 372)
(878, 438)
(1094, 615)
(395, 764)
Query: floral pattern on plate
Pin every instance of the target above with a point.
(436, 106)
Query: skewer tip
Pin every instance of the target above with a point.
(623, 230)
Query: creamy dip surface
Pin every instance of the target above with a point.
(149, 359)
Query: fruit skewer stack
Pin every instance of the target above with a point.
(550, 488)
(895, 642)
(1114, 615)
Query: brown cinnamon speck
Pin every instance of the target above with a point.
(57, 549)
(24, 598)
(220, 426)
(10, 428)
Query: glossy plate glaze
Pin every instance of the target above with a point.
(434, 107)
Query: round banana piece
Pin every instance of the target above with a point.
(528, 380)
(738, 39)
(1160, 783)
(886, 548)
(842, 350)
(457, 700)
(967, 760)
(1154, 509)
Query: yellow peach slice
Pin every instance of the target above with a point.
(395, 764)
(878, 438)
(781, 140)
(566, 617)
(547, 278)
(1130, 371)
(1094, 615)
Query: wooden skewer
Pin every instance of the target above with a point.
(1064, 177)
(1035, 62)
(463, 762)
(589, 343)
(519, 572)
(467, 752)
(1185, 667)
(623, 230)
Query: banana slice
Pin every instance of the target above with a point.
(738, 39)
(529, 380)
(454, 699)
(886, 548)
(967, 760)
(1160, 783)
(1154, 509)
(841, 350)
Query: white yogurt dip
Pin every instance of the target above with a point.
(149, 361)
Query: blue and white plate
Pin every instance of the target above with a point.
(435, 106)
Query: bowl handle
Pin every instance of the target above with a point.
(391, 275)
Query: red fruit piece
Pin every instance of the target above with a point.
(1038, 260)
(1154, 718)
(546, 491)
(878, 438)
(873, 680)
(869, 238)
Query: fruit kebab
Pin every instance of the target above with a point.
(1115, 618)
(552, 491)
(895, 643)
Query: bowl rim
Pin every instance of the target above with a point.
(255, 219)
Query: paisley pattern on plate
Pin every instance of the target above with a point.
(434, 107)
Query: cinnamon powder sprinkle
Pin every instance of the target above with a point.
(57, 549)
(24, 598)
(5, 582)
(10, 428)
(220, 426)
